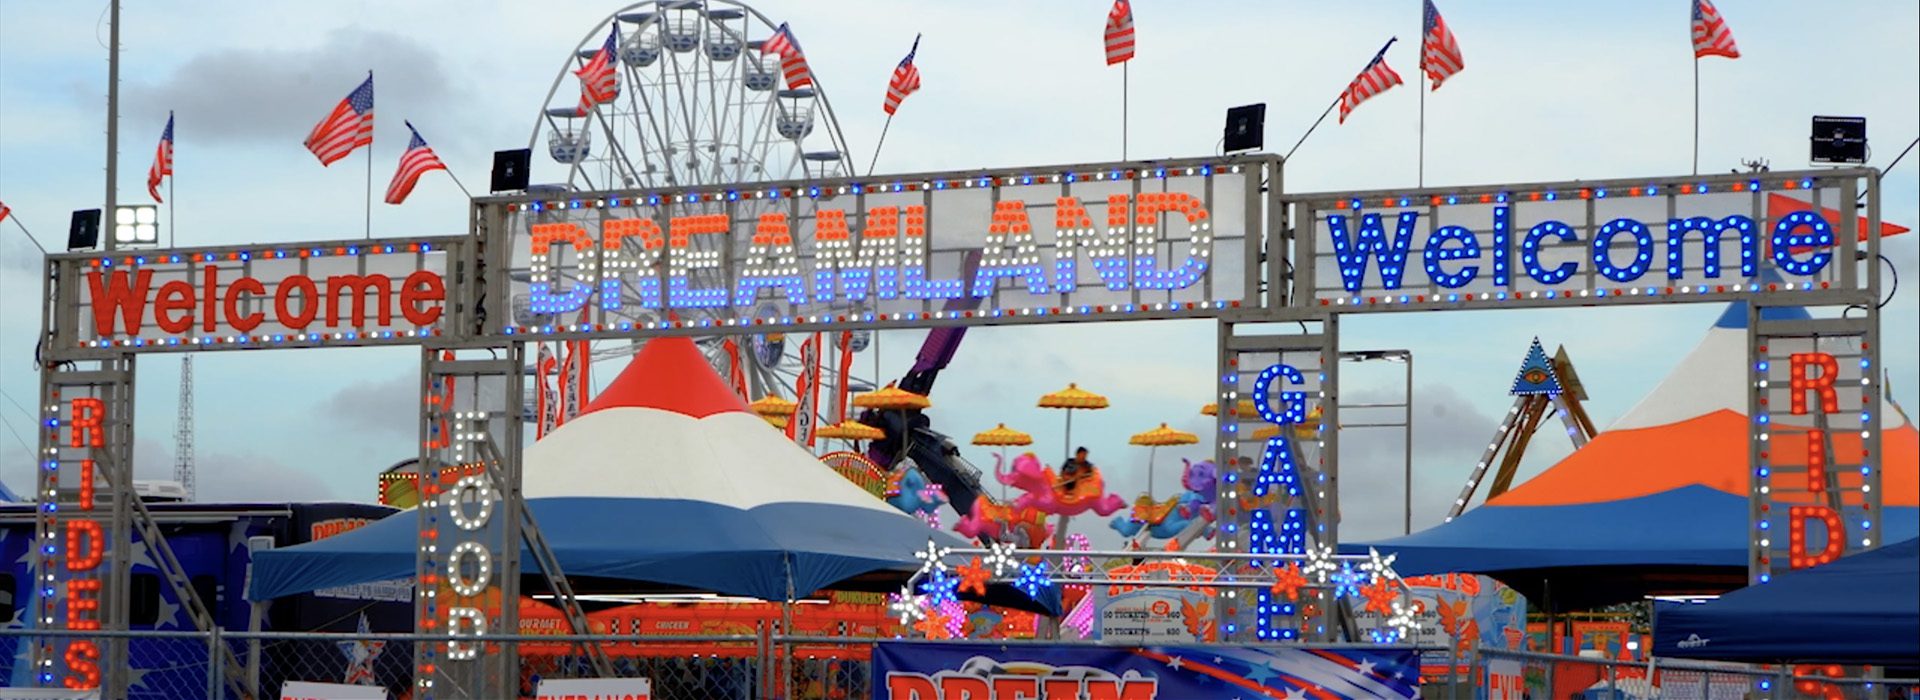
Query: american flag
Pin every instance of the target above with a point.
(1376, 79)
(1711, 37)
(417, 161)
(792, 61)
(348, 127)
(906, 79)
(599, 82)
(1120, 32)
(1439, 53)
(162, 160)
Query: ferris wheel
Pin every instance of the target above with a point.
(697, 103)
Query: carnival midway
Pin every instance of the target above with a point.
(658, 453)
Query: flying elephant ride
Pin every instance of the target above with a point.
(909, 490)
(1043, 494)
(1181, 518)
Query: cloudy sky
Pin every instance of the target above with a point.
(1552, 91)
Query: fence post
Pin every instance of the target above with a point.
(1613, 677)
(216, 665)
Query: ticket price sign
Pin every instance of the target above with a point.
(1125, 240)
(595, 689)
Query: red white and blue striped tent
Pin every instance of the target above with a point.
(667, 480)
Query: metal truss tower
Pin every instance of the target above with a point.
(183, 430)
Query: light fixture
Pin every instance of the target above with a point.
(136, 225)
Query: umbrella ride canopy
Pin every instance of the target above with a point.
(1002, 436)
(1163, 436)
(1073, 397)
(892, 398)
(851, 430)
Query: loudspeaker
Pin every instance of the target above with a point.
(1838, 140)
(84, 232)
(1246, 128)
(510, 170)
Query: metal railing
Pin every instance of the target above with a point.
(189, 666)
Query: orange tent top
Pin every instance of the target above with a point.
(1710, 450)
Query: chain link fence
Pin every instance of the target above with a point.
(1518, 675)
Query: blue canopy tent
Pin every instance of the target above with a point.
(1690, 540)
(1860, 609)
(666, 482)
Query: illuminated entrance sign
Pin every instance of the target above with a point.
(351, 293)
(1145, 239)
(1580, 242)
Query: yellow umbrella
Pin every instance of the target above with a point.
(892, 397)
(1154, 439)
(851, 430)
(1071, 398)
(772, 405)
(1243, 408)
(1002, 436)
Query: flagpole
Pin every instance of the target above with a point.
(43, 249)
(1420, 178)
(878, 146)
(1696, 115)
(173, 232)
(457, 183)
(369, 200)
(1124, 82)
(1316, 125)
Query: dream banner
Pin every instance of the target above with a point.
(934, 671)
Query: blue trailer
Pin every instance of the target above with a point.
(213, 542)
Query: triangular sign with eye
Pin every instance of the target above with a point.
(1536, 374)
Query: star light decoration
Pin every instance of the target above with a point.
(955, 616)
(1033, 579)
(933, 557)
(1287, 581)
(906, 605)
(974, 577)
(1319, 563)
(1077, 563)
(940, 587)
(1346, 581)
(1380, 565)
(1380, 594)
(1000, 556)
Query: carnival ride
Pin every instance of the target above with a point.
(1180, 519)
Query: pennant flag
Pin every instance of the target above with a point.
(4, 211)
(162, 160)
(1375, 79)
(1711, 37)
(1120, 32)
(792, 61)
(1439, 53)
(599, 82)
(546, 402)
(418, 160)
(905, 81)
(348, 127)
